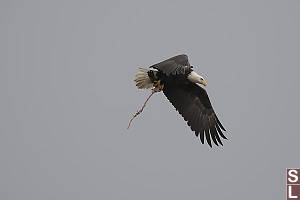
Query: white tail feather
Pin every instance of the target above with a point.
(142, 80)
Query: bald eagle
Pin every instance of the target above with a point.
(179, 83)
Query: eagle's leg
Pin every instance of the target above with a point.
(158, 86)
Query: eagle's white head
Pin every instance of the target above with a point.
(196, 78)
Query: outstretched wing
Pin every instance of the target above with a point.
(192, 102)
(176, 65)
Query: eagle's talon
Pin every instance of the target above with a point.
(158, 88)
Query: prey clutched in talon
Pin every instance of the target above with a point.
(158, 87)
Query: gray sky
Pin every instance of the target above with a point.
(67, 93)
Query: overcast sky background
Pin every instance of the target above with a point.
(67, 93)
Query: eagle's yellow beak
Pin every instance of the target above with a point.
(203, 82)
